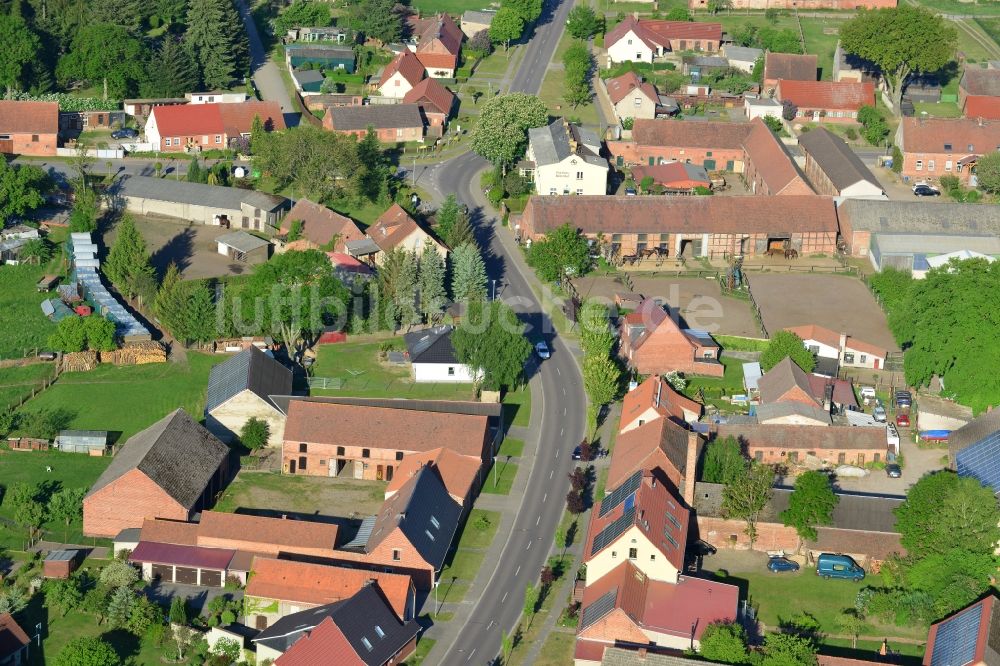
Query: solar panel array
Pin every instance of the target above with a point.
(982, 461)
(618, 495)
(613, 531)
(595, 611)
(955, 643)
(86, 263)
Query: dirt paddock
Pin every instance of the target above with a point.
(838, 302)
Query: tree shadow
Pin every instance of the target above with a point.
(179, 250)
(125, 643)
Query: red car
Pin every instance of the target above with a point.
(903, 420)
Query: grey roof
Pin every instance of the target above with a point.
(212, 196)
(916, 217)
(751, 373)
(89, 434)
(443, 406)
(936, 243)
(974, 431)
(614, 656)
(251, 370)
(836, 159)
(379, 116)
(979, 81)
(242, 241)
(432, 345)
(473, 16)
(176, 453)
(550, 144)
(61, 555)
(308, 75)
(743, 53)
(128, 535)
(777, 410)
(361, 247)
(344, 52)
(706, 61)
(599, 608)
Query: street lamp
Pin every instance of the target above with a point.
(437, 609)
(494, 289)
(494, 472)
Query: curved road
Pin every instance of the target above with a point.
(557, 392)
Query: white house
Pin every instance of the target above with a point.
(400, 75)
(742, 58)
(846, 350)
(632, 97)
(761, 107)
(565, 159)
(240, 389)
(433, 358)
(217, 97)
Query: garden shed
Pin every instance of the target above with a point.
(93, 442)
(241, 246)
(60, 563)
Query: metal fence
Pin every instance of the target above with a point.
(335, 383)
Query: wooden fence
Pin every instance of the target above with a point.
(753, 306)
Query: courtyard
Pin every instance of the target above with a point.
(291, 494)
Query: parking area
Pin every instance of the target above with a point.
(700, 301)
(837, 302)
(191, 246)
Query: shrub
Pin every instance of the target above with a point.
(851, 134)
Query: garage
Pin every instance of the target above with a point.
(186, 576)
(211, 578)
(164, 572)
(184, 565)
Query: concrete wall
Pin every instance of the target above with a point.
(226, 420)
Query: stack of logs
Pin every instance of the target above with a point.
(133, 353)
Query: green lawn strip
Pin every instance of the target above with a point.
(286, 492)
(867, 650)
(731, 382)
(424, 646)
(500, 478)
(531, 629)
(738, 343)
(511, 447)
(128, 399)
(475, 534)
(960, 7)
(23, 327)
(938, 110)
(493, 65)
(557, 649)
(16, 383)
(517, 407)
(974, 51)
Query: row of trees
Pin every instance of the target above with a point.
(602, 371)
(578, 65)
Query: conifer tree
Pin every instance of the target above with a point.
(431, 279)
(217, 39)
(468, 279)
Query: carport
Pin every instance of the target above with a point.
(187, 565)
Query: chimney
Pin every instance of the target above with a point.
(659, 388)
(691, 467)
(843, 343)
(641, 652)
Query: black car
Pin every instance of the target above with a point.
(779, 564)
(124, 133)
(578, 453)
(893, 471)
(925, 191)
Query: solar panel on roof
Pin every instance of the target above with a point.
(981, 461)
(955, 643)
(612, 531)
(618, 495)
(595, 611)
(630, 502)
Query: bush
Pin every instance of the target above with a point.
(851, 134)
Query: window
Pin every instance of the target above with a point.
(322, 463)
(841, 458)
(396, 82)
(218, 138)
(971, 148)
(378, 630)
(614, 554)
(637, 101)
(813, 349)
(947, 165)
(399, 455)
(451, 371)
(34, 138)
(630, 42)
(579, 175)
(794, 456)
(930, 165)
(919, 165)
(204, 138)
(340, 450)
(302, 462)
(947, 147)
(652, 557)
(848, 357)
(367, 643)
(579, 190)
(303, 448)
(553, 190)
(633, 553)
(429, 535)
(708, 153)
(395, 555)
(399, 132)
(864, 358)
(759, 456)
(435, 523)
(366, 453)
(168, 141)
(638, 55)
(876, 458)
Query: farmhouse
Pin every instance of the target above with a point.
(643, 40)
(29, 128)
(241, 389)
(196, 127)
(836, 170)
(460, 474)
(395, 228)
(651, 341)
(436, 104)
(243, 247)
(319, 227)
(979, 93)
(172, 469)
(661, 444)
(201, 204)
(656, 399)
(565, 159)
(789, 67)
(432, 357)
(826, 101)
(845, 349)
(400, 76)
(631, 97)
(392, 123)
(803, 444)
(787, 382)
(934, 147)
(437, 41)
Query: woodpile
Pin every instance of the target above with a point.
(136, 353)
(79, 361)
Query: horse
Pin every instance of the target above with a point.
(630, 259)
(791, 254)
(776, 252)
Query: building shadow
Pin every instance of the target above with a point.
(179, 250)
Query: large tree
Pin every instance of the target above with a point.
(725, 643)
(597, 338)
(745, 496)
(430, 278)
(20, 49)
(502, 132)
(219, 43)
(491, 341)
(452, 223)
(22, 187)
(302, 13)
(87, 651)
(577, 65)
(176, 71)
(901, 41)
(106, 54)
(724, 460)
(786, 343)
(378, 19)
(311, 162)
(506, 26)
(788, 649)
(601, 379)
(563, 252)
(988, 172)
(468, 273)
(127, 265)
(583, 22)
(528, 10)
(811, 504)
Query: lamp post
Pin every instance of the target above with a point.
(437, 609)
(494, 472)
(494, 289)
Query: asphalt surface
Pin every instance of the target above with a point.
(556, 391)
(266, 75)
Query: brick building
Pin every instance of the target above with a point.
(197, 127)
(659, 444)
(826, 101)
(934, 147)
(240, 388)
(651, 341)
(319, 227)
(644, 40)
(437, 42)
(790, 67)
(632, 97)
(794, 445)
(172, 469)
(655, 399)
(392, 123)
(979, 93)
(769, 169)
(461, 475)
(436, 104)
(29, 128)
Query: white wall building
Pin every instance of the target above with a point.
(433, 358)
(565, 159)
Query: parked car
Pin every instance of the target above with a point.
(893, 471)
(891, 436)
(578, 453)
(124, 133)
(924, 190)
(831, 565)
(630, 191)
(903, 420)
(779, 564)
(903, 399)
(879, 413)
(542, 350)
(868, 392)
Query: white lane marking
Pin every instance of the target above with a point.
(471, 653)
(489, 625)
(564, 390)
(538, 520)
(551, 472)
(528, 547)
(564, 411)
(517, 572)
(558, 371)
(545, 497)
(557, 453)
(561, 431)
(504, 597)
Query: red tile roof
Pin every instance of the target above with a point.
(982, 107)
(231, 119)
(161, 530)
(710, 135)
(392, 227)
(441, 28)
(654, 393)
(661, 442)
(431, 96)
(790, 66)
(185, 556)
(287, 534)
(374, 427)
(320, 224)
(238, 118)
(958, 136)
(659, 33)
(807, 437)
(437, 60)
(12, 637)
(622, 86)
(407, 64)
(457, 472)
(832, 339)
(837, 95)
(782, 378)
(29, 117)
(673, 175)
(326, 643)
(319, 584)
(772, 161)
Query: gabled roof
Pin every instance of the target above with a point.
(659, 33)
(377, 116)
(614, 656)
(320, 224)
(634, 448)
(425, 514)
(982, 107)
(656, 394)
(832, 339)
(12, 637)
(974, 431)
(782, 378)
(742, 53)
(622, 86)
(392, 227)
(230, 119)
(781, 436)
(836, 159)
(772, 160)
(915, 217)
(407, 65)
(175, 453)
(290, 535)
(162, 530)
(242, 241)
(623, 28)
(958, 136)
(968, 636)
(238, 118)
(849, 95)
(213, 196)
(431, 345)
(979, 81)
(441, 28)
(431, 96)
(308, 583)
(18, 117)
(790, 66)
(458, 473)
(250, 370)
(552, 144)
(780, 410)
(711, 135)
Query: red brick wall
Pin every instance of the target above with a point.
(939, 162)
(851, 456)
(770, 536)
(667, 349)
(125, 503)
(633, 153)
(24, 144)
(708, 45)
(198, 140)
(410, 562)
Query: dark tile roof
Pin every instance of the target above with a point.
(979, 81)
(215, 196)
(916, 217)
(790, 66)
(12, 637)
(616, 656)
(252, 370)
(836, 159)
(490, 409)
(379, 116)
(176, 453)
(432, 345)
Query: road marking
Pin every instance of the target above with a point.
(545, 497)
(564, 411)
(517, 572)
(557, 453)
(551, 472)
(504, 597)
(561, 431)
(528, 547)
(489, 625)
(471, 653)
(558, 371)
(564, 390)
(538, 520)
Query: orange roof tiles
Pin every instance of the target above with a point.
(320, 224)
(661, 442)
(29, 117)
(281, 532)
(458, 472)
(831, 338)
(772, 161)
(982, 107)
(392, 227)
(231, 119)
(837, 95)
(161, 530)
(621, 86)
(711, 135)
(407, 64)
(958, 136)
(655, 393)
(431, 96)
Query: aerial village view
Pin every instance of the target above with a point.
(499, 332)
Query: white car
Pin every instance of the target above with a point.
(542, 350)
(868, 392)
(879, 414)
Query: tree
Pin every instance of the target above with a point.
(255, 433)
(108, 54)
(45, 423)
(601, 379)
(577, 64)
(120, 607)
(774, 124)
(228, 648)
(127, 14)
(453, 223)
(200, 324)
(21, 47)
(789, 110)
(431, 281)
(781, 649)
(379, 19)
(745, 496)
(583, 22)
(901, 41)
(145, 618)
(506, 26)
(406, 288)
(87, 651)
(528, 10)
(491, 341)
(810, 504)
(65, 595)
(312, 162)
(13, 600)
(171, 302)
(786, 343)
(724, 461)
(725, 643)
(988, 172)
(852, 623)
(176, 71)
(874, 127)
(892, 286)
(757, 74)
(100, 333)
(374, 169)
(480, 45)
(563, 252)
(36, 251)
(302, 13)
(178, 611)
(128, 259)
(70, 335)
(21, 189)
(65, 506)
(596, 335)
(468, 274)
(504, 121)
(716, 6)
(220, 50)
(117, 573)
(83, 216)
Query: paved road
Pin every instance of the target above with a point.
(61, 171)
(266, 75)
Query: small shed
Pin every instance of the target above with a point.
(308, 80)
(241, 246)
(93, 442)
(55, 310)
(60, 563)
(751, 375)
(48, 282)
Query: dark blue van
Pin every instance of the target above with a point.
(829, 565)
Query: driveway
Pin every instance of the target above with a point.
(917, 462)
(266, 75)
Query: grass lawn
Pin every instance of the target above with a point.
(69, 470)
(737, 343)
(18, 382)
(842, 647)
(557, 650)
(959, 7)
(128, 399)
(467, 558)
(731, 382)
(974, 50)
(502, 475)
(938, 110)
(480, 529)
(820, 33)
(315, 495)
(511, 447)
(424, 646)
(552, 89)
(358, 366)
(23, 327)
(517, 407)
(494, 65)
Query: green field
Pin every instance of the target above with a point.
(424, 646)
(517, 407)
(511, 447)
(552, 91)
(23, 327)
(731, 382)
(820, 33)
(16, 383)
(127, 399)
(938, 110)
(500, 478)
(958, 7)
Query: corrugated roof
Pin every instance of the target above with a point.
(212, 196)
(182, 556)
(252, 370)
(242, 241)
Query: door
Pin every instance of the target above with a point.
(730, 166)
(652, 161)
(709, 165)
(186, 575)
(876, 363)
(291, 466)
(164, 572)
(211, 578)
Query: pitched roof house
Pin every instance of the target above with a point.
(208, 126)
(652, 342)
(933, 147)
(172, 469)
(565, 159)
(769, 169)
(240, 388)
(437, 41)
(432, 357)
(29, 128)
(460, 474)
(320, 227)
(392, 123)
(14, 643)
(435, 101)
(643, 40)
(660, 444)
(826, 101)
(474, 21)
(968, 636)
(797, 444)
(395, 228)
(788, 383)
(845, 349)
(361, 630)
(632, 97)
(979, 93)
(401, 75)
(789, 66)
(836, 170)
(655, 399)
